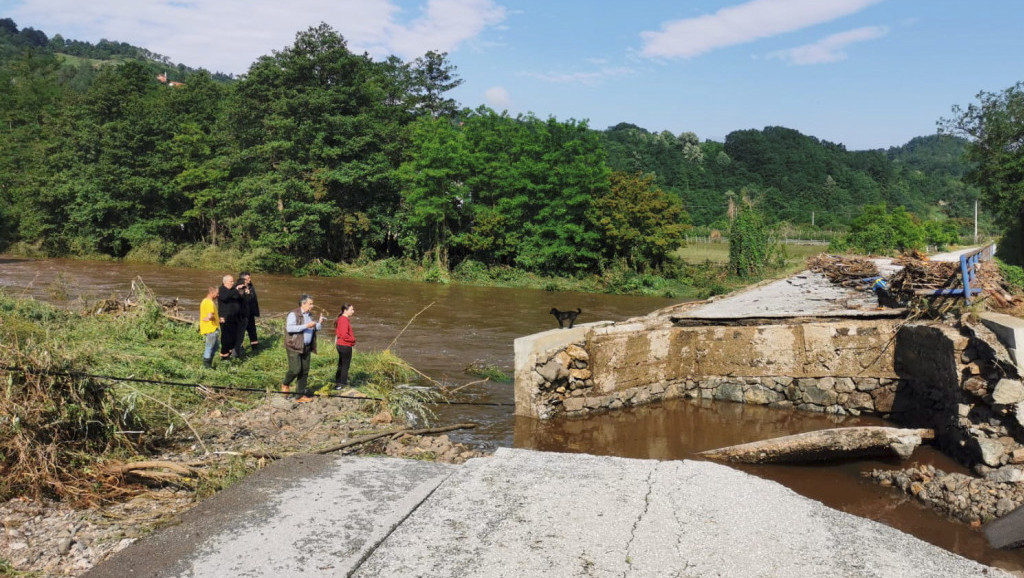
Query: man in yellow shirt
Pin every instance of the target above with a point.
(209, 325)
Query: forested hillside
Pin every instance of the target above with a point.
(320, 153)
(797, 178)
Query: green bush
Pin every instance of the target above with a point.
(393, 397)
(942, 233)
(471, 271)
(319, 268)
(152, 251)
(752, 244)
(877, 231)
(1013, 275)
(435, 273)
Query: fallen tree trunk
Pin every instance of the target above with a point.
(827, 444)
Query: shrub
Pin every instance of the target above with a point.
(394, 397)
(492, 372)
(152, 251)
(319, 268)
(877, 231)
(752, 243)
(470, 271)
(1012, 275)
(435, 273)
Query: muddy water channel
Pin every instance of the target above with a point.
(460, 325)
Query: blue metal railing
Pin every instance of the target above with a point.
(969, 273)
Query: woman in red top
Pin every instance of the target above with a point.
(345, 341)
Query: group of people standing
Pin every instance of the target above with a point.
(227, 313)
(230, 311)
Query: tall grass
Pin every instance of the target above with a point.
(56, 420)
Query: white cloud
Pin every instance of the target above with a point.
(743, 23)
(829, 49)
(497, 98)
(581, 77)
(444, 25)
(229, 35)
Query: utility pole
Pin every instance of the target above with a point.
(812, 218)
(975, 221)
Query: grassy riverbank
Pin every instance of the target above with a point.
(698, 272)
(62, 410)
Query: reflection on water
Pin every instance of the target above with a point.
(459, 325)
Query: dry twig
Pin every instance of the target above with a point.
(395, 340)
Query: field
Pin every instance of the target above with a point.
(700, 252)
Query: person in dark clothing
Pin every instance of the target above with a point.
(254, 311)
(243, 315)
(229, 303)
(344, 341)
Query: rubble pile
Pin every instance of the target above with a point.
(966, 498)
(843, 270)
(919, 276)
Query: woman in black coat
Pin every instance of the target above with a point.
(253, 303)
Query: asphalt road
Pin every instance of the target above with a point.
(522, 513)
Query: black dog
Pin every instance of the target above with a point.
(563, 316)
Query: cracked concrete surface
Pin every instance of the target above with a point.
(807, 294)
(524, 513)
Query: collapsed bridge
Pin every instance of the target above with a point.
(803, 342)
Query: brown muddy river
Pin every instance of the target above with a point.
(463, 325)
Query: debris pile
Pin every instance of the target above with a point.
(959, 496)
(922, 277)
(57, 539)
(919, 278)
(844, 270)
(994, 287)
(139, 294)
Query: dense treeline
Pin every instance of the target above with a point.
(316, 152)
(797, 178)
(320, 153)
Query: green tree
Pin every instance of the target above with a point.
(29, 99)
(639, 222)
(995, 127)
(431, 76)
(567, 172)
(435, 197)
(532, 183)
(318, 139)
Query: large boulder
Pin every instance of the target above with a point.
(1008, 392)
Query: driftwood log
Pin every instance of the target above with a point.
(395, 434)
(155, 470)
(827, 444)
(1008, 531)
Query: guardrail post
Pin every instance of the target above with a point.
(965, 270)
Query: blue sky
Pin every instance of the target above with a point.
(864, 73)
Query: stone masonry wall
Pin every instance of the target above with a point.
(833, 367)
(965, 386)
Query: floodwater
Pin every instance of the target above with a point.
(441, 330)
